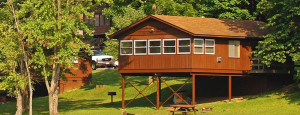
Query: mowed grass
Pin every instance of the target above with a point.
(91, 101)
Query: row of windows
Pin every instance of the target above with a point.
(168, 46)
(98, 20)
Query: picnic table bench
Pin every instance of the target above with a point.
(183, 109)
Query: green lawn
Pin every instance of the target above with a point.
(89, 100)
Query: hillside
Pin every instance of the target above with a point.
(91, 101)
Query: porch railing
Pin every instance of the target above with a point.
(258, 67)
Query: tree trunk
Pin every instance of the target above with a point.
(25, 58)
(53, 103)
(30, 96)
(25, 100)
(53, 93)
(19, 103)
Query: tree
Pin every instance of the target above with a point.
(225, 9)
(129, 16)
(15, 55)
(52, 33)
(12, 78)
(283, 40)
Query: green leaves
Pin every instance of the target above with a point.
(50, 37)
(283, 41)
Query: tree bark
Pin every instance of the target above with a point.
(24, 92)
(25, 58)
(19, 103)
(53, 99)
(25, 100)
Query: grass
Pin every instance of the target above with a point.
(89, 100)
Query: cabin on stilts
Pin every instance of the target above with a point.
(160, 45)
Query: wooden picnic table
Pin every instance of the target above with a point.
(183, 109)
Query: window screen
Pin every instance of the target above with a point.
(198, 46)
(209, 46)
(140, 47)
(169, 46)
(154, 46)
(184, 46)
(97, 17)
(234, 48)
(126, 47)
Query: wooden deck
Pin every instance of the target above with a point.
(258, 67)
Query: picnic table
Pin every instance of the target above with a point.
(183, 109)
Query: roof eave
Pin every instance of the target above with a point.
(130, 26)
(146, 18)
(226, 36)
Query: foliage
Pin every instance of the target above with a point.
(51, 32)
(225, 9)
(129, 16)
(10, 53)
(283, 41)
(112, 48)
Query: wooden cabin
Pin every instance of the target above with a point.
(80, 75)
(161, 45)
(174, 44)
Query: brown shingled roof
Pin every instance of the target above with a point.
(209, 27)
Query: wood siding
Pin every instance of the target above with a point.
(81, 76)
(164, 63)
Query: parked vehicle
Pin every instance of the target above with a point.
(99, 59)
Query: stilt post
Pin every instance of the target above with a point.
(123, 92)
(229, 88)
(157, 92)
(194, 96)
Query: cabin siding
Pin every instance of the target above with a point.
(81, 74)
(206, 63)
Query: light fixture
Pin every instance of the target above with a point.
(219, 59)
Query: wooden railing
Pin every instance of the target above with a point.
(258, 67)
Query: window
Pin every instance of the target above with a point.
(154, 46)
(91, 20)
(209, 46)
(234, 48)
(126, 47)
(140, 47)
(169, 46)
(198, 46)
(98, 20)
(101, 20)
(184, 46)
(97, 17)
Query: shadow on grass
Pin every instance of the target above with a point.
(93, 104)
(111, 77)
(291, 93)
(86, 104)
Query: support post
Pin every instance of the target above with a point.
(157, 92)
(194, 95)
(229, 88)
(123, 92)
(151, 80)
